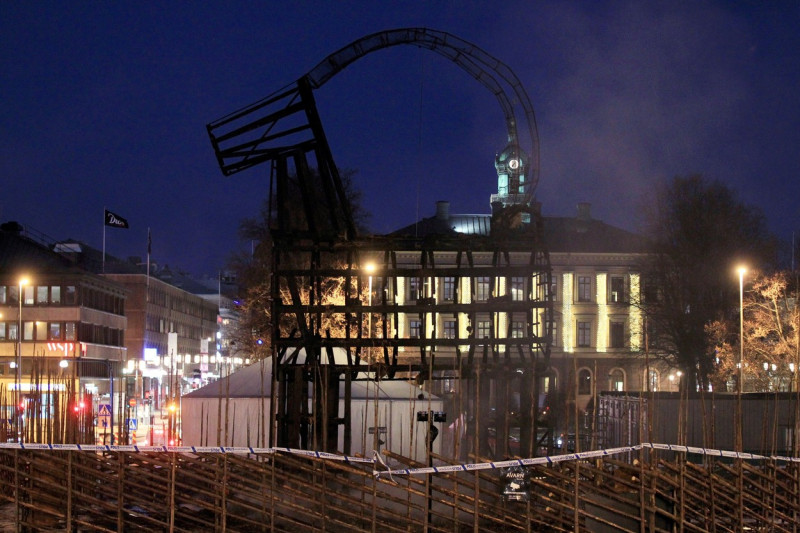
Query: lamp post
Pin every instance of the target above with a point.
(742, 271)
(23, 281)
(370, 268)
(739, 422)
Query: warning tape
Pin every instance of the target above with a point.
(593, 454)
(242, 450)
(377, 460)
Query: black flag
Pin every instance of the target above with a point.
(115, 221)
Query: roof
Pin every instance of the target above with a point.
(581, 234)
(255, 381)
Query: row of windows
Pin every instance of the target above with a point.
(39, 295)
(66, 295)
(62, 331)
(483, 289)
(483, 330)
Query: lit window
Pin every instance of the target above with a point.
(414, 327)
(41, 294)
(484, 329)
(55, 294)
(28, 330)
(413, 289)
(27, 291)
(517, 289)
(448, 289)
(3, 295)
(584, 334)
(517, 329)
(653, 380)
(482, 288)
(584, 289)
(617, 294)
(2, 330)
(617, 380)
(449, 329)
(54, 334)
(69, 331)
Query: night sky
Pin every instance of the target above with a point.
(104, 104)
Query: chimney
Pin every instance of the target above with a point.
(443, 210)
(584, 211)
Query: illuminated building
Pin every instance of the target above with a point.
(72, 321)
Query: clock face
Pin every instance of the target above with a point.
(513, 164)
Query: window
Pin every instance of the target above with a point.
(41, 294)
(55, 294)
(41, 331)
(548, 383)
(652, 381)
(69, 331)
(55, 331)
(70, 295)
(2, 330)
(484, 329)
(27, 292)
(584, 334)
(584, 289)
(584, 381)
(517, 329)
(3, 295)
(617, 294)
(27, 331)
(517, 289)
(616, 380)
(617, 335)
(554, 288)
(555, 334)
(414, 327)
(482, 288)
(12, 331)
(413, 289)
(448, 289)
(449, 329)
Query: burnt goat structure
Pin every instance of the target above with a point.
(481, 302)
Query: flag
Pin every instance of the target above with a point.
(115, 220)
(149, 241)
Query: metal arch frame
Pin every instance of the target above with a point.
(472, 59)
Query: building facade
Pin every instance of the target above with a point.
(59, 321)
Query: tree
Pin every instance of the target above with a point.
(698, 231)
(254, 267)
(771, 335)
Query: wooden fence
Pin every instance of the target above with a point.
(646, 490)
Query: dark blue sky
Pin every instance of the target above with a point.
(105, 104)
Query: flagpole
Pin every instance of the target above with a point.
(148, 264)
(104, 240)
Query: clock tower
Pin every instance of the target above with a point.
(512, 187)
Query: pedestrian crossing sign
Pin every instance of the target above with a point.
(104, 410)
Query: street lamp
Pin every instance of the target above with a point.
(370, 269)
(739, 439)
(23, 281)
(741, 271)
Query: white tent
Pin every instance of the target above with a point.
(243, 399)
